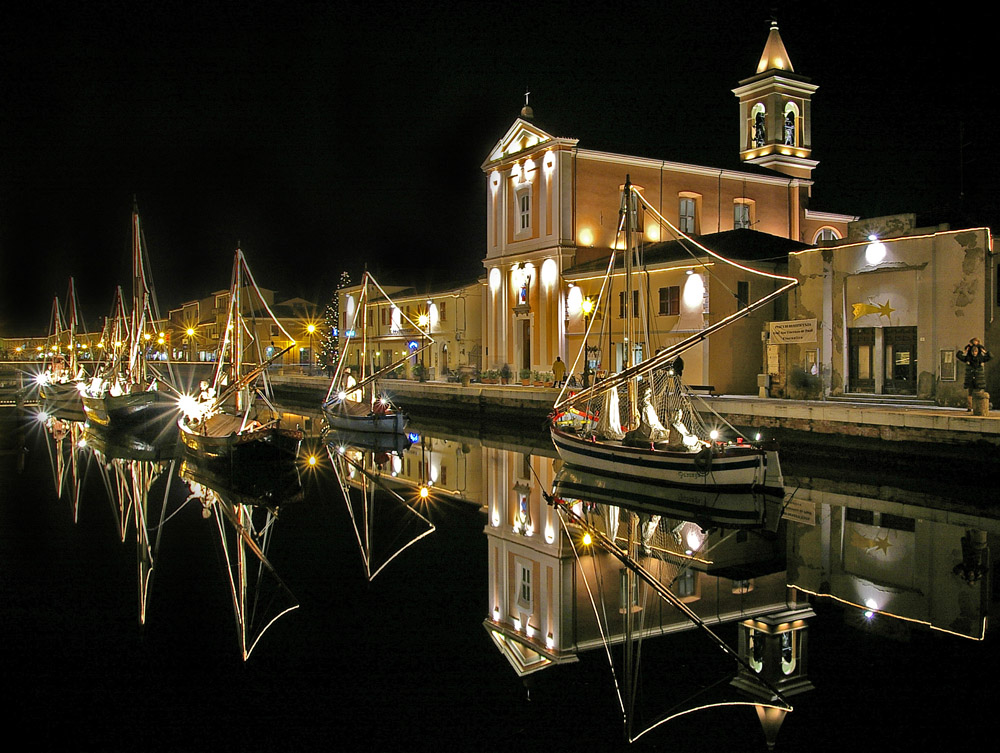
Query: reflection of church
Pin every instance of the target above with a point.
(552, 216)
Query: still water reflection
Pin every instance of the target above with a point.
(149, 606)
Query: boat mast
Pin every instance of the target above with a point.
(71, 365)
(628, 330)
(137, 364)
(363, 308)
(236, 322)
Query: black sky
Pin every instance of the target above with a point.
(323, 139)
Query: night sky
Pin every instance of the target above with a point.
(322, 138)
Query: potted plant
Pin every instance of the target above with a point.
(525, 375)
(505, 374)
(490, 376)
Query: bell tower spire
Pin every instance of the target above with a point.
(776, 113)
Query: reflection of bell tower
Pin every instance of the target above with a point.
(775, 648)
(776, 113)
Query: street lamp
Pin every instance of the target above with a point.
(422, 321)
(588, 308)
(190, 338)
(310, 329)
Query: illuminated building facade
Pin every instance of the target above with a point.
(552, 209)
(893, 303)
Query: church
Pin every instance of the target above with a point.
(552, 218)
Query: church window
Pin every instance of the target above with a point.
(525, 211)
(826, 234)
(688, 213)
(743, 214)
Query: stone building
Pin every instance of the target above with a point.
(552, 213)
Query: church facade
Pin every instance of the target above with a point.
(552, 217)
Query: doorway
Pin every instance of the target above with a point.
(900, 348)
(861, 366)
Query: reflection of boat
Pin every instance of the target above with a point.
(640, 423)
(385, 523)
(125, 392)
(259, 595)
(233, 423)
(393, 442)
(267, 484)
(129, 445)
(632, 555)
(352, 401)
(707, 507)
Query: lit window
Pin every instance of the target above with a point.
(741, 217)
(826, 234)
(524, 593)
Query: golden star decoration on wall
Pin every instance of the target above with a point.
(863, 309)
(867, 543)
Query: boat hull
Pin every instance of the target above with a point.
(742, 469)
(149, 410)
(62, 400)
(269, 444)
(391, 422)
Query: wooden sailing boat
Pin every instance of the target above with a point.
(127, 393)
(61, 385)
(614, 427)
(352, 401)
(233, 420)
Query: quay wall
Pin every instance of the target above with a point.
(910, 429)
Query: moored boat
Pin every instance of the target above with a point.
(640, 423)
(232, 426)
(353, 402)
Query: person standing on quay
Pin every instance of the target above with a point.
(559, 371)
(974, 356)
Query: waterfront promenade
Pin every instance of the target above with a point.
(910, 427)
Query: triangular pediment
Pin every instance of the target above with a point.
(520, 136)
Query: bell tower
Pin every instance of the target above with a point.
(776, 113)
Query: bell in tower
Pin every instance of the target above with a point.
(775, 113)
(774, 649)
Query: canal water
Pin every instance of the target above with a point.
(119, 630)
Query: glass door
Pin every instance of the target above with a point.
(900, 347)
(861, 344)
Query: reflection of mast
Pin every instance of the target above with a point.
(408, 526)
(128, 483)
(255, 606)
(765, 696)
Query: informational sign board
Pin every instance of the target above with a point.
(800, 511)
(798, 331)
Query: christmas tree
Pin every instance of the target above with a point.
(329, 345)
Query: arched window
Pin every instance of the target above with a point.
(826, 234)
(790, 134)
(758, 125)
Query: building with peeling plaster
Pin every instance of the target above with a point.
(893, 303)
